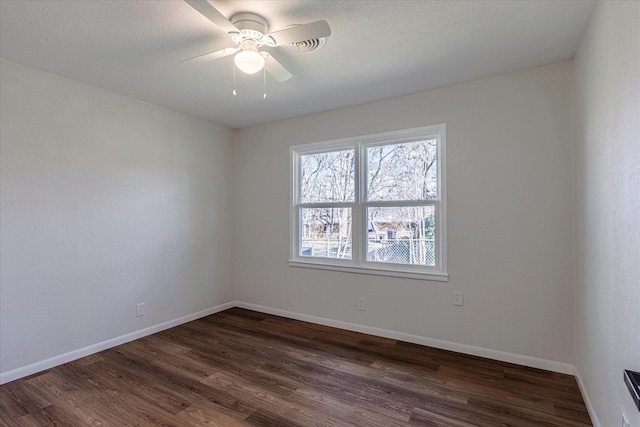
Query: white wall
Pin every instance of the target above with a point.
(607, 141)
(105, 202)
(509, 150)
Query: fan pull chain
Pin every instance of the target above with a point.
(264, 83)
(234, 80)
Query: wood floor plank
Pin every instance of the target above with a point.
(351, 413)
(242, 368)
(16, 401)
(297, 412)
(211, 415)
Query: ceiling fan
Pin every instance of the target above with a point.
(248, 31)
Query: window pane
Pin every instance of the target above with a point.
(406, 171)
(401, 235)
(327, 177)
(326, 232)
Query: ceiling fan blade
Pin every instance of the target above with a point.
(212, 14)
(300, 33)
(212, 55)
(275, 68)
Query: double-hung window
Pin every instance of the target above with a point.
(374, 204)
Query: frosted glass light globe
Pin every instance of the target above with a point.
(249, 61)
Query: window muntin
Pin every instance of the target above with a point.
(372, 204)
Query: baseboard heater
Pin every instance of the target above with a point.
(632, 379)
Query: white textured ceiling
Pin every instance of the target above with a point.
(378, 49)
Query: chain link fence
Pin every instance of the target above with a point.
(393, 251)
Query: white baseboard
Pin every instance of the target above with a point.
(25, 371)
(585, 397)
(518, 359)
(533, 362)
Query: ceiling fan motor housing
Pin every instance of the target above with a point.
(252, 25)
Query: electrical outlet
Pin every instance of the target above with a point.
(625, 422)
(361, 304)
(140, 309)
(458, 298)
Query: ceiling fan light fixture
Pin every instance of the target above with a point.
(249, 61)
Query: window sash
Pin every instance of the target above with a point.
(365, 162)
(436, 237)
(339, 225)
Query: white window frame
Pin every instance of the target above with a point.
(358, 263)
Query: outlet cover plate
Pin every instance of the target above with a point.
(458, 298)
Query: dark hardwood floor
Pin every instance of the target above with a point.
(242, 368)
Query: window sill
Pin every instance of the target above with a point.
(405, 274)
